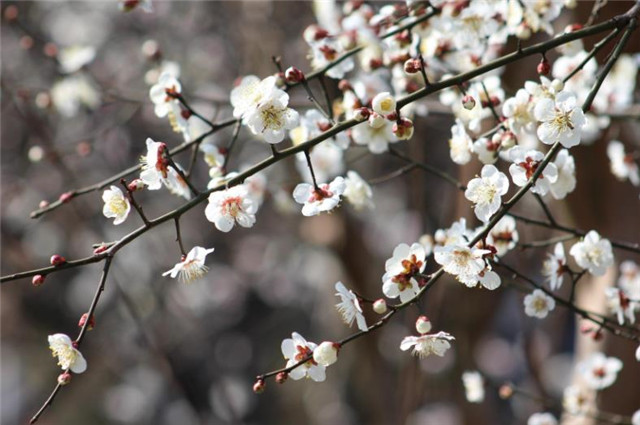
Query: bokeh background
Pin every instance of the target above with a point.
(167, 353)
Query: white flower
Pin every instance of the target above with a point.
(473, 386)
(545, 418)
(566, 181)
(622, 165)
(325, 198)
(538, 304)
(116, 205)
(629, 279)
(555, 266)
(457, 234)
(231, 206)
(576, 400)
(467, 265)
(326, 160)
(593, 253)
(620, 304)
(326, 353)
(562, 120)
(519, 111)
(75, 57)
(401, 269)
(425, 345)
(349, 307)
(272, 118)
(376, 138)
(251, 92)
(156, 171)
(68, 356)
(72, 92)
(327, 50)
(357, 191)
(635, 418)
(297, 349)
(460, 144)
(599, 371)
(384, 104)
(525, 164)
(192, 266)
(162, 94)
(503, 236)
(213, 155)
(486, 192)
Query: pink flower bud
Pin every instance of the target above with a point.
(135, 185)
(37, 280)
(64, 378)
(380, 306)
(281, 377)
(57, 260)
(544, 67)
(66, 197)
(259, 386)
(293, 75)
(468, 102)
(83, 320)
(43, 204)
(361, 114)
(423, 325)
(412, 66)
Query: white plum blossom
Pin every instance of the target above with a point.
(599, 371)
(296, 349)
(576, 399)
(68, 356)
(561, 120)
(326, 353)
(473, 386)
(192, 266)
(231, 206)
(251, 92)
(384, 104)
(73, 92)
(376, 137)
(116, 205)
(401, 269)
(525, 164)
(460, 144)
(349, 307)
(321, 199)
(163, 95)
(504, 235)
(357, 191)
(486, 192)
(544, 418)
(566, 181)
(619, 303)
(156, 171)
(272, 118)
(629, 279)
(623, 165)
(538, 304)
(327, 50)
(555, 266)
(593, 253)
(73, 58)
(213, 155)
(519, 112)
(425, 345)
(457, 234)
(467, 265)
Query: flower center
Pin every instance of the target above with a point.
(540, 304)
(320, 193)
(530, 166)
(303, 353)
(232, 206)
(411, 266)
(118, 205)
(271, 117)
(562, 121)
(485, 193)
(66, 355)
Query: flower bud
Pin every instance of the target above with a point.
(412, 66)
(151, 49)
(544, 67)
(523, 31)
(505, 391)
(37, 280)
(66, 197)
(43, 204)
(135, 185)
(11, 13)
(375, 63)
(326, 353)
(557, 85)
(83, 320)
(57, 260)
(468, 102)
(423, 325)
(361, 114)
(258, 386)
(281, 377)
(380, 306)
(293, 75)
(383, 103)
(185, 113)
(403, 129)
(376, 120)
(344, 85)
(314, 33)
(64, 378)
(508, 140)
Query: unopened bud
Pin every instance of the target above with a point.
(345, 85)
(185, 113)
(83, 320)
(468, 102)
(361, 114)
(57, 260)
(64, 378)
(66, 197)
(505, 391)
(314, 33)
(380, 306)
(375, 63)
(403, 129)
(37, 280)
(281, 377)
(557, 85)
(135, 185)
(423, 325)
(293, 75)
(258, 387)
(376, 120)
(43, 204)
(523, 31)
(411, 66)
(508, 140)
(326, 353)
(11, 13)
(544, 67)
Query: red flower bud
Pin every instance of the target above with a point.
(282, 377)
(37, 280)
(57, 260)
(544, 67)
(258, 387)
(83, 320)
(66, 197)
(293, 75)
(64, 378)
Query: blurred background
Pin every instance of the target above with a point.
(165, 353)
